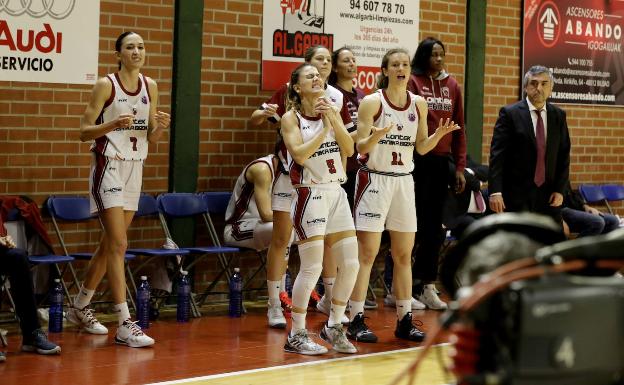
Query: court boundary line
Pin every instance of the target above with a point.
(310, 363)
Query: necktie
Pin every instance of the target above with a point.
(479, 201)
(540, 140)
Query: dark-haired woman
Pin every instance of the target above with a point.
(318, 145)
(121, 119)
(344, 70)
(430, 80)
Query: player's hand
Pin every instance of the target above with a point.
(162, 119)
(124, 120)
(269, 110)
(381, 131)
(444, 127)
(322, 106)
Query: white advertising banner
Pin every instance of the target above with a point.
(50, 41)
(368, 27)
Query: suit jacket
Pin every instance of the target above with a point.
(513, 155)
(457, 205)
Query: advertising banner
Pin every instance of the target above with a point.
(581, 42)
(50, 41)
(368, 27)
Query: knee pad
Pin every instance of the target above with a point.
(346, 254)
(311, 256)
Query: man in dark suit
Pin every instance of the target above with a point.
(530, 151)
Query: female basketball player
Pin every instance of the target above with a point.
(318, 145)
(272, 111)
(121, 118)
(391, 122)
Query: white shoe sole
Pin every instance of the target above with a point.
(133, 345)
(305, 353)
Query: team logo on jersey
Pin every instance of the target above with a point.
(370, 215)
(400, 127)
(373, 191)
(411, 117)
(387, 115)
(122, 100)
(316, 221)
(134, 110)
(305, 127)
(112, 190)
(316, 198)
(445, 92)
(144, 99)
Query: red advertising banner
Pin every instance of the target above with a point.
(368, 27)
(581, 42)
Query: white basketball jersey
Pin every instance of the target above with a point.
(337, 99)
(127, 143)
(242, 204)
(335, 96)
(325, 165)
(394, 153)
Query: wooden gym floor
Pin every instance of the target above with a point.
(216, 349)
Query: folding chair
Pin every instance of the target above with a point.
(148, 207)
(613, 193)
(75, 209)
(592, 193)
(216, 204)
(189, 205)
(49, 259)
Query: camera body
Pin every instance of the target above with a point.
(560, 329)
(556, 329)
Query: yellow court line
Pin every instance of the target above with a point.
(367, 369)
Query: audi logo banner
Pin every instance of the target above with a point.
(50, 41)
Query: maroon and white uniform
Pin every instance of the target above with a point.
(243, 225)
(117, 163)
(282, 190)
(320, 205)
(384, 195)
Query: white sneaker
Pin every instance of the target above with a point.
(324, 306)
(129, 333)
(301, 343)
(276, 317)
(336, 336)
(86, 320)
(430, 298)
(390, 301)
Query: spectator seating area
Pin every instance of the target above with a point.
(71, 213)
(605, 195)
